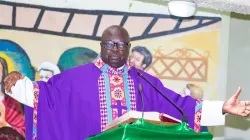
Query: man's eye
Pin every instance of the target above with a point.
(109, 44)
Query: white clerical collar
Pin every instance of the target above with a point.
(121, 67)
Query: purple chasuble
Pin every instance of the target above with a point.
(78, 103)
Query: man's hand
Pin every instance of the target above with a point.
(236, 107)
(11, 80)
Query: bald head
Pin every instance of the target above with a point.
(115, 46)
(115, 30)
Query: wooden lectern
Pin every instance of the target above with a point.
(132, 128)
(133, 116)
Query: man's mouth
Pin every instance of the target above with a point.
(116, 58)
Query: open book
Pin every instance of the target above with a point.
(132, 116)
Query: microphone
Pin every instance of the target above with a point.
(142, 99)
(184, 117)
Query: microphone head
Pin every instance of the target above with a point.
(140, 74)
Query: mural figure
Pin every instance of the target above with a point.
(140, 57)
(75, 57)
(193, 91)
(18, 60)
(11, 113)
(47, 70)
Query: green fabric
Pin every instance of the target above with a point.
(142, 130)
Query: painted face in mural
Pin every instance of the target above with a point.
(45, 75)
(115, 45)
(1, 77)
(136, 60)
(3, 73)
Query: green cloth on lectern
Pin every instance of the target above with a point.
(142, 130)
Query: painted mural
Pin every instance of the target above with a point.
(183, 50)
(178, 51)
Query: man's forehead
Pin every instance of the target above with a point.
(115, 34)
(115, 37)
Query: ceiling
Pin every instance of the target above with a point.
(237, 6)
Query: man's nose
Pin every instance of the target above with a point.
(115, 48)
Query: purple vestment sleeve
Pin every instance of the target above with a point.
(187, 104)
(68, 105)
(28, 111)
(53, 108)
(155, 102)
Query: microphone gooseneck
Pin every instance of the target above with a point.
(142, 99)
(184, 117)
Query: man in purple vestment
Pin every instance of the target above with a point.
(81, 101)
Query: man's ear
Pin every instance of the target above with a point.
(143, 66)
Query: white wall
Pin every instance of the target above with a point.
(219, 131)
(238, 74)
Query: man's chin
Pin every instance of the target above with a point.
(115, 66)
